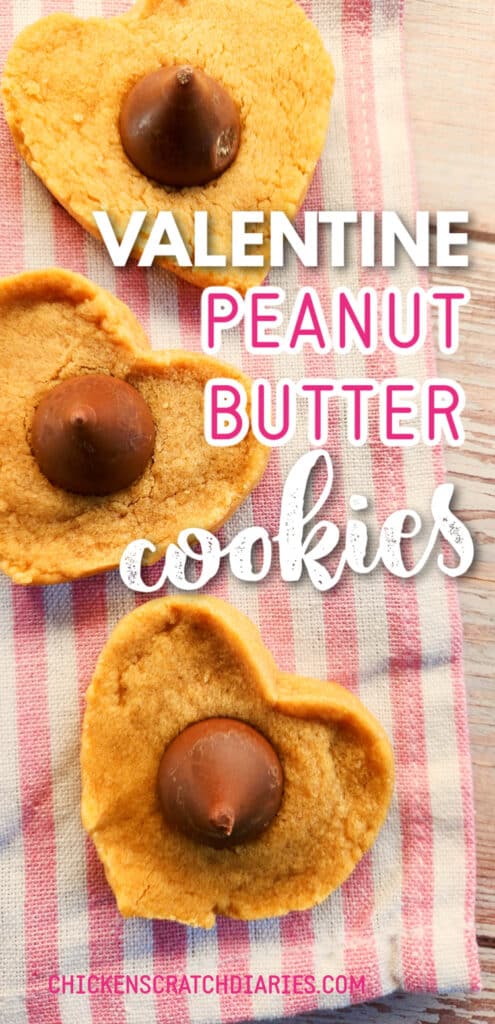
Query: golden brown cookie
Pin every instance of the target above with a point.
(55, 325)
(177, 661)
(65, 80)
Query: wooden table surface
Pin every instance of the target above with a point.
(450, 49)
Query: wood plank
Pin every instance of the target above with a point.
(451, 74)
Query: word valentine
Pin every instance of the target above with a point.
(263, 240)
(305, 542)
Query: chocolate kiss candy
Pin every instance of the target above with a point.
(220, 782)
(179, 126)
(92, 434)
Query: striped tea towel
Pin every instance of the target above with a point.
(404, 919)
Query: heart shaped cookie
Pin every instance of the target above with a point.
(66, 79)
(264, 807)
(57, 327)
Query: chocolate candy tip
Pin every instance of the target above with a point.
(220, 782)
(92, 434)
(179, 126)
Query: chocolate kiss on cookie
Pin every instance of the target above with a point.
(220, 782)
(101, 439)
(90, 117)
(179, 126)
(213, 783)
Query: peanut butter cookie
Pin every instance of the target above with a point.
(85, 104)
(215, 784)
(101, 439)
